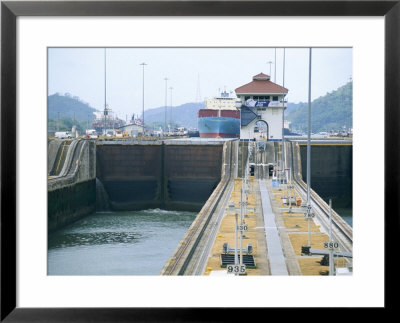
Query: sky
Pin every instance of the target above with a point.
(193, 73)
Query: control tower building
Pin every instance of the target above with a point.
(263, 103)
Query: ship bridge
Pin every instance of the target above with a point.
(262, 107)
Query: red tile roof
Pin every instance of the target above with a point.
(261, 76)
(261, 85)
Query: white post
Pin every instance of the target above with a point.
(236, 224)
(143, 64)
(241, 225)
(275, 68)
(309, 152)
(331, 260)
(166, 94)
(290, 188)
(283, 117)
(170, 121)
(105, 90)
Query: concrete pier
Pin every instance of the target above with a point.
(71, 184)
(276, 232)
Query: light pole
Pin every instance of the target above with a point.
(309, 152)
(166, 95)
(232, 208)
(283, 116)
(270, 62)
(241, 225)
(105, 90)
(143, 64)
(331, 259)
(275, 68)
(170, 95)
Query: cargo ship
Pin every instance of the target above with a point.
(220, 118)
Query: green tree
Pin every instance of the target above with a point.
(332, 111)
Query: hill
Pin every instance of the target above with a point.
(182, 115)
(329, 112)
(291, 107)
(69, 107)
(62, 110)
(66, 108)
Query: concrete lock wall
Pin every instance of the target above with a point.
(178, 177)
(191, 175)
(130, 175)
(331, 172)
(73, 195)
(180, 262)
(70, 203)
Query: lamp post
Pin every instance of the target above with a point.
(309, 152)
(166, 95)
(232, 208)
(331, 259)
(170, 97)
(143, 64)
(283, 116)
(241, 224)
(275, 68)
(105, 90)
(270, 62)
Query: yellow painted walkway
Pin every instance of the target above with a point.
(254, 235)
(296, 225)
(293, 228)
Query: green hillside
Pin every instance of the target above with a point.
(68, 107)
(64, 109)
(329, 112)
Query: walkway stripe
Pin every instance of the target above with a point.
(274, 246)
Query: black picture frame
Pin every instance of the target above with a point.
(10, 10)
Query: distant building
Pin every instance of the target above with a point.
(134, 127)
(262, 101)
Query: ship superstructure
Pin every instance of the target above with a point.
(220, 118)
